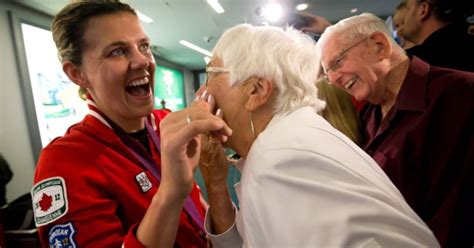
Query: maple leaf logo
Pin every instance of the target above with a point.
(45, 202)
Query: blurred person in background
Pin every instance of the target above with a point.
(471, 29)
(438, 27)
(398, 19)
(339, 110)
(417, 125)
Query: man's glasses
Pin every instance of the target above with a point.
(211, 69)
(338, 62)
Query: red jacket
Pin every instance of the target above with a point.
(92, 192)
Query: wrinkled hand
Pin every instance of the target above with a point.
(213, 163)
(181, 145)
(317, 24)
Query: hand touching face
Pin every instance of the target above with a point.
(181, 143)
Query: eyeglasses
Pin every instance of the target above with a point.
(338, 62)
(211, 69)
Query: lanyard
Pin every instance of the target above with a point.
(146, 160)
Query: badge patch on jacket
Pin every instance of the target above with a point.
(143, 181)
(49, 200)
(62, 236)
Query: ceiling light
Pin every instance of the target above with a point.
(301, 6)
(354, 10)
(207, 60)
(143, 17)
(272, 12)
(216, 6)
(195, 48)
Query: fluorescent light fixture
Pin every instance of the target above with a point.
(143, 17)
(272, 12)
(301, 6)
(216, 6)
(195, 48)
(354, 10)
(207, 60)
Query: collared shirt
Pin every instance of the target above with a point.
(450, 46)
(426, 146)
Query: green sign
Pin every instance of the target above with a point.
(169, 88)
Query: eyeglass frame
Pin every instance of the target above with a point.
(212, 69)
(340, 58)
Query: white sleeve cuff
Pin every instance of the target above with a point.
(228, 239)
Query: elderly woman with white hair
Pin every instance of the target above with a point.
(304, 184)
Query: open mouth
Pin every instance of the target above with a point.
(350, 83)
(139, 87)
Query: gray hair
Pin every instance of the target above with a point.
(355, 27)
(285, 56)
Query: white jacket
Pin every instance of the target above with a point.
(304, 184)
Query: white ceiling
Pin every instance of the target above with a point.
(195, 20)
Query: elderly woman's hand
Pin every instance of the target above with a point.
(181, 144)
(213, 161)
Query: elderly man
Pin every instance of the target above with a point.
(418, 125)
(439, 28)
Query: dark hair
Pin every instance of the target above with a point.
(451, 10)
(70, 23)
(402, 5)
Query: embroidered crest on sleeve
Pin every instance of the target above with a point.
(49, 200)
(62, 236)
(143, 181)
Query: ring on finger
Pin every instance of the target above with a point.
(188, 119)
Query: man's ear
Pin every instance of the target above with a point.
(75, 74)
(260, 93)
(424, 11)
(383, 46)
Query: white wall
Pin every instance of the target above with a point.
(14, 137)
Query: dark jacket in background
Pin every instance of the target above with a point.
(6, 175)
(450, 46)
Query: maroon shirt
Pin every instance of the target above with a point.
(426, 146)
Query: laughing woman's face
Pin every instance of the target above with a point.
(118, 67)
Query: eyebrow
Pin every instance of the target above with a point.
(123, 43)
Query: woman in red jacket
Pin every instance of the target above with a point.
(110, 181)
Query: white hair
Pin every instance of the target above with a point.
(287, 57)
(356, 27)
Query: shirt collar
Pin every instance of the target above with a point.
(413, 91)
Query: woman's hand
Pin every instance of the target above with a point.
(181, 144)
(213, 161)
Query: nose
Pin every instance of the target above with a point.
(140, 60)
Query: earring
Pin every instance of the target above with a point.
(252, 128)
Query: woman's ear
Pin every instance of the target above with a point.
(75, 74)
(260, 93)
(383, 45)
